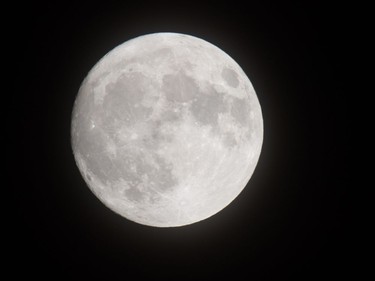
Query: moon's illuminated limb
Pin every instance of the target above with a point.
(166, 129)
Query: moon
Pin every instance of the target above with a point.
(166, 129)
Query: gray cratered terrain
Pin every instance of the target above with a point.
(166, 129)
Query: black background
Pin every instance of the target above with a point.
(291, 220)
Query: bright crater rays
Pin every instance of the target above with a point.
(166, 129)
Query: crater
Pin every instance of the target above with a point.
(230, 77)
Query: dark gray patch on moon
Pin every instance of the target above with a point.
(161, 53)
(173, 113)
(157, 171)
(161, 175)
(207, 107)
(101, 165)
(124, 97)
(230, 76)
(134, 194)
(241, 111)
(129, 86)
(229, 140)
(179, 87)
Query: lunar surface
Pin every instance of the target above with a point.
(166, 129)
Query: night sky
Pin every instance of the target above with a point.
(292, 218)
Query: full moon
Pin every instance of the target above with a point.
(166, 129)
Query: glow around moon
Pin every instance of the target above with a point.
(166, 129)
